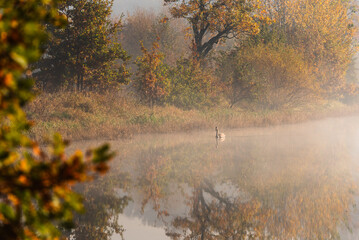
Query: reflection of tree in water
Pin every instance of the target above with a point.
(308, 214)
(103, 206)
(216, 216)
(282, 191)
(213, 215)
(311, 190)
(158, 168)
(301, 196)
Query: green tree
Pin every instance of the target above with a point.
(216, 21)
(35, 185)
(234, 74)
(152, 82)
(192, 86)
(87, 52)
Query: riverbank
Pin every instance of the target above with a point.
(95, 116)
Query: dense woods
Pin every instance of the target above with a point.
(269, 54)
(200, 54)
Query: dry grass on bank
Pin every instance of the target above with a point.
(92, 116)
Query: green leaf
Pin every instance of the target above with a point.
(102, 154)
(7, 211)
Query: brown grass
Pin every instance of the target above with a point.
(111, 116)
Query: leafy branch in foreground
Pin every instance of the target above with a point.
(35, 185)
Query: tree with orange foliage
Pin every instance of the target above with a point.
(323, 30)
(152, 83)
(213, 22)
(272, 75)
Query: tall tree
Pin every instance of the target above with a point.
(87, 49)
(35, 185)
(213, 21)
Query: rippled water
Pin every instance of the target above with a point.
(285, 182)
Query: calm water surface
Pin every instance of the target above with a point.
(286, 182)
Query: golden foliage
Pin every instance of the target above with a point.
(215, 21)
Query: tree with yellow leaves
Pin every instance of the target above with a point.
(323, 30)
(216, 21)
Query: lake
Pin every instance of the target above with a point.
(284, 182)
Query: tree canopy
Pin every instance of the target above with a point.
(152, 81)
(87, 51)
(215, 21)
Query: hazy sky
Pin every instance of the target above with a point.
(123, 6)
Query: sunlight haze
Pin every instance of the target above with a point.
(124, 6)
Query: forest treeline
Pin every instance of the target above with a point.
(269, 54)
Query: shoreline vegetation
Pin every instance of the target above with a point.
(89, 116)
(261, 64)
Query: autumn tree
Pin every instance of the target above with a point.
(273, 75)
(213, 22)
(35, 184)
(87, 52)
(304, 54)
(152, 82)
(323, 30)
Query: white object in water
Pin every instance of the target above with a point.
(220, 136)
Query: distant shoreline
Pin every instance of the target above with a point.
(91, 117)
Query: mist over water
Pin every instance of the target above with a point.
(293, 181)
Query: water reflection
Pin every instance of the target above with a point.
(289, 182)
(103, 208)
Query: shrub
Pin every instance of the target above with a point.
(192, 86)
(273, 75)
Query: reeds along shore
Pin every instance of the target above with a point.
(80, 116)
